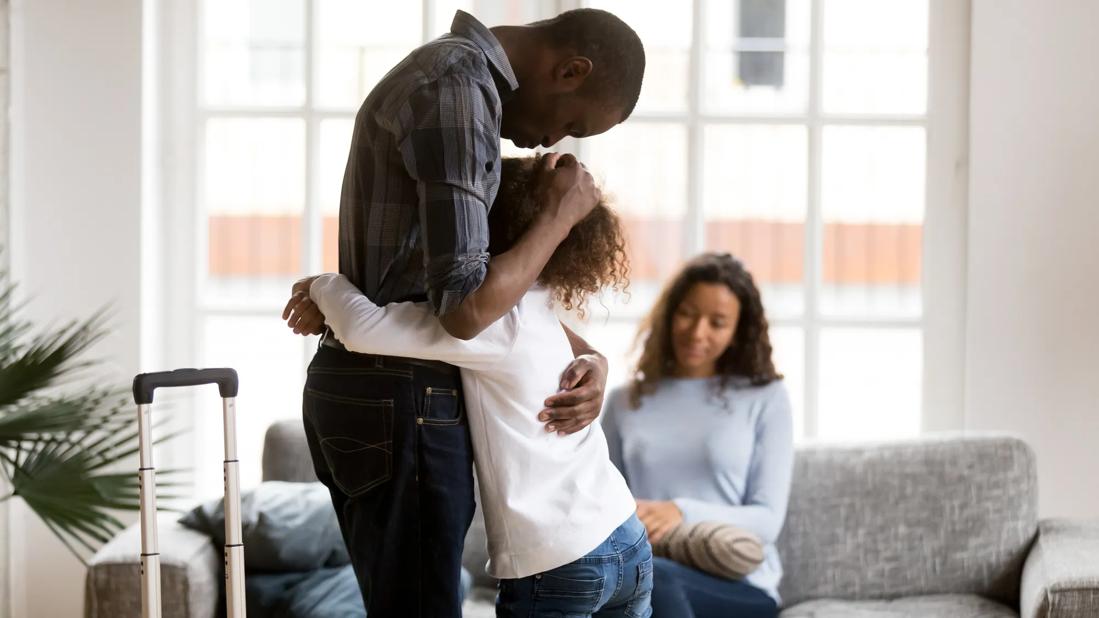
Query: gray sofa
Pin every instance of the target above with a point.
(943, 526)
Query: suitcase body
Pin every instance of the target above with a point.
(145, 385)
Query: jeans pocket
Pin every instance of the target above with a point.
(442, 406)
(571, 594)
(355, 438)
(639, 605)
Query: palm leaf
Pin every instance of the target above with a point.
(47, 359)
(59, 415)
(62, 453)
(62, 480)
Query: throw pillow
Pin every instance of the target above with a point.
(285, 527)
(715, 548)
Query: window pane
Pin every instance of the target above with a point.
(269, 360)
(873, 205)
(643, 170)
(491, 12)
(335, 145)
(253, 52)
(614, 339)
(666, 35)
(875, 56)
(755, 199)
(870, 384)
(756, 56)
(788, 343)
(254, 196)
(358, 43)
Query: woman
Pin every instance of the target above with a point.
(563, 535)
(704, 433)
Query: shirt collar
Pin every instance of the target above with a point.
(467, 26)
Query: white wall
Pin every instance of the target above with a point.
(5, 75)
(76, 198)
(1033, 280)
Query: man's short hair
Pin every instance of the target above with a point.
(616, 52)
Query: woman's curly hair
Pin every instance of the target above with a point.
(749, 353)
(591, 258)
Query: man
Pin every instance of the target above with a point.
(388, 435)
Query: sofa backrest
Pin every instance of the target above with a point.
(942, 514)
(934, 515)
(286, 454)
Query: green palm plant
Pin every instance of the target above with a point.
(61, 442)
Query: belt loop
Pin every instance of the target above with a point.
(377, 362)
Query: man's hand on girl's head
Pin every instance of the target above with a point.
(568, 190)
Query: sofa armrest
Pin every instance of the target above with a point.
(190, 574)
(1061, 573)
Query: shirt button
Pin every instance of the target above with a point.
(539, 576)
(488, 166)
(419, 420)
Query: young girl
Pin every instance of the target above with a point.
(563, 536)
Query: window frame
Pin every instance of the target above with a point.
(177, 181)
(941, 321)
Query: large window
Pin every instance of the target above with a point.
(790, 133)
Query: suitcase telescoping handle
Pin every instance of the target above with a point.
(144, 386)
(146, 383)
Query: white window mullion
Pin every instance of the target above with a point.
(695, 230)
(427, 20)
(312, 226)
(813, 228)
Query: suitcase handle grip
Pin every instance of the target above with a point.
(146, 383)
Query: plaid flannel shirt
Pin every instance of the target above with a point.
(424, 169)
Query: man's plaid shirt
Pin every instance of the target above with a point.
(424, 169)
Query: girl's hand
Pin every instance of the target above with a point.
(581, 398)
(301, 313)
(659, 516)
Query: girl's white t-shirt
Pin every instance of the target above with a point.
(548, 500)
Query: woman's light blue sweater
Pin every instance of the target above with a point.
(720, 457)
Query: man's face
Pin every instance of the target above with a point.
(538, 117)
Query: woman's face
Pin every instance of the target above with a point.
(702, 328)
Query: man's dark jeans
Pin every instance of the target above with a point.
(389, 437)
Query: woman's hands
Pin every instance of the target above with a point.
(301, 313)
(659, 517)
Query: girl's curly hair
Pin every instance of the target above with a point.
(749, 353)
(591, 258)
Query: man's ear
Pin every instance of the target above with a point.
(571, 72)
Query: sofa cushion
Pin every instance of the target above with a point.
(935, 606)
(321, 593)
(190, 584)
(937, 515)
(285, 527)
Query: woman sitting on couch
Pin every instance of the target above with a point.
(704, 434)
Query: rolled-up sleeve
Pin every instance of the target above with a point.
(450, 145)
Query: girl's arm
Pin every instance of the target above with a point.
(407, 329)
